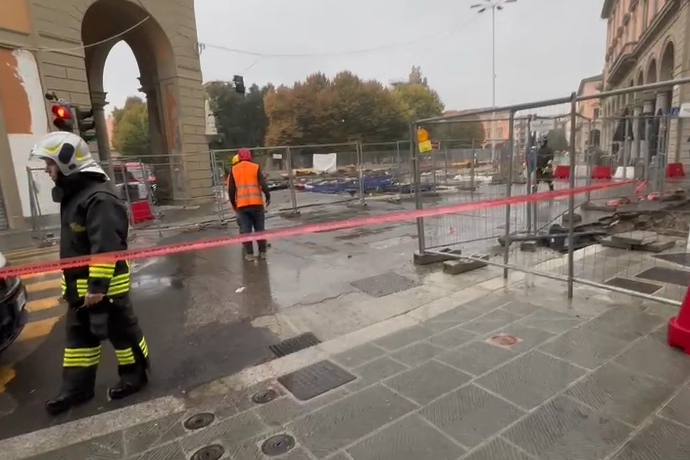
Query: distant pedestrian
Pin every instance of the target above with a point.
(246, 183)
(544, 172)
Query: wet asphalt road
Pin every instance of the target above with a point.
(197, 308)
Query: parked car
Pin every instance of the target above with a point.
(12, 307)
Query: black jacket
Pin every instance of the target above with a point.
(93, 221)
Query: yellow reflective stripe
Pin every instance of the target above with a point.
(81, 357)
(101, 270)
(144, 347)
(125, 357)
(118, 285)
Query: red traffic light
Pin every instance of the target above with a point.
(61, 112)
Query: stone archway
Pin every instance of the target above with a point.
(651, 72)
(667, 63)
(178, 154)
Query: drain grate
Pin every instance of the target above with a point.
(682, 258)
(278, 445)
(666, 275)
(212, 452)
(314, 380)
(198, 421)
(384, 284)
(633, 285)
(294, 344)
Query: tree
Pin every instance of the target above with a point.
(557, 139)
(241, 120)
(462, 133)
(420, 100)
(343, 109)
(131, 131)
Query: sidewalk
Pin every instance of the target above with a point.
(490, 372)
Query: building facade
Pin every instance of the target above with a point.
(646, 43)
(589, 124)
(61, 47)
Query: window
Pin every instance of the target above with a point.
(499, 132)
(645, 15)
(595, 115)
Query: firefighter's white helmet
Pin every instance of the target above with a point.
(69, 151)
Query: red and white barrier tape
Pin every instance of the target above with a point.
(169, 249)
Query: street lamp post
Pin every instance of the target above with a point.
(492, 5)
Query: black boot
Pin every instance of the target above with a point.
(128, 385)
(66, 401)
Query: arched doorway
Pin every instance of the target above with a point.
(160, 80)
(667, 63)
(651, 72)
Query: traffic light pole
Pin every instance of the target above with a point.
(98, 104)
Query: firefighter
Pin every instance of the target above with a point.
(544, 171)
(93, 220)
(246, 183)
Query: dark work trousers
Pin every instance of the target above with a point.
(252, 219)
(86, 327)
(543, 178)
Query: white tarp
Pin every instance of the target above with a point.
(325, 162)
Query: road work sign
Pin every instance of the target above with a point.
(424, 141)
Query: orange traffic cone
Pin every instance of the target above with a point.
(679, 326)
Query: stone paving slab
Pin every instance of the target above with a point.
(572, 386)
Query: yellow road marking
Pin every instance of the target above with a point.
(42, 304)
(37, 329)
(7, 374)
(44, 285)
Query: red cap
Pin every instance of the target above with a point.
(245, 155)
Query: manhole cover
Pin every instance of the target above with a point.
(666, 275)
(265, 396)
(677, 258)
(278, 445)
(633, 285)
(212, 452)
(198, 421)
(504, 340)
(317, 379)
(384, 284)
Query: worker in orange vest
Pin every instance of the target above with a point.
(246, 183)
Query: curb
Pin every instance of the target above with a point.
(29, 253)
(49, 439)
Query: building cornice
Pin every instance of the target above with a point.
(606, 9)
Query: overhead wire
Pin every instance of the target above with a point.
(451, 29)
(439, 38)
(90, 45)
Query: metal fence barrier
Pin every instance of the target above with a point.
(541, 238)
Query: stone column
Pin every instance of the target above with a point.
(98, 104)
(637, 129)
(648, 103)
(159, 158)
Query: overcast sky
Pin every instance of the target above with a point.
(543, 47)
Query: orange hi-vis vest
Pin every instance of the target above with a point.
(246, 176)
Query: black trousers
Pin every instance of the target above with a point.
(252, 219)
(85, 329)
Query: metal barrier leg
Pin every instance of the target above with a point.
(509, 189)
(417, 193)
(571, 199)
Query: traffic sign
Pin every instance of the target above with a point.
(422, 135)
(425, 147)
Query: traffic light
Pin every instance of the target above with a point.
(86, 124)
(63, 120)
(238, 80)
